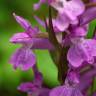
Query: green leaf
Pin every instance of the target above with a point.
(92, 26)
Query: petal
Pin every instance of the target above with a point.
(86, 79)
(61, 91)
(23, 58)
(73, 77)
(29, 88)
(91, 46)
(44, 92)
(20, 38)
(38, 78)
(61, 22)
(26, 87)
(41, 22)
(80, 31)
(89, 15)
(23, 22)
(84, 85)
(83, 51)
(73, 57)
(32, 31)
(43, 43)
(65, 91)
(36, 43)
(92, 0)
(89, 50)
(58, 5)
(37, 5)
(33, 90)
(74, 8)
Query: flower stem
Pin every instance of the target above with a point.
(60, 58)
(85, 1)
(62, 65)
(92, 87)
(89, 5)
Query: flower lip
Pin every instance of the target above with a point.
(20, 38)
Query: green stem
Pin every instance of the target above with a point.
(92, 87)
(60, 53)
(50, 30)
(62, 65)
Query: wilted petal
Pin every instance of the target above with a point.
(23, 58)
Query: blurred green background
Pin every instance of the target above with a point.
(9, 78)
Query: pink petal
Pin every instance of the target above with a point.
(23, 58)
(74, 58)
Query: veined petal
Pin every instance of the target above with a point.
(36, 43)
(23, 22)
(91, 43)
(72, 8)
(80, 31)
(83, 51)
(23, 58)
(61, 22)
(26, 25)
(21, 38)
(73, 78)
(89, 50)
(33, 89)
(65, 91)
(74, 58)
